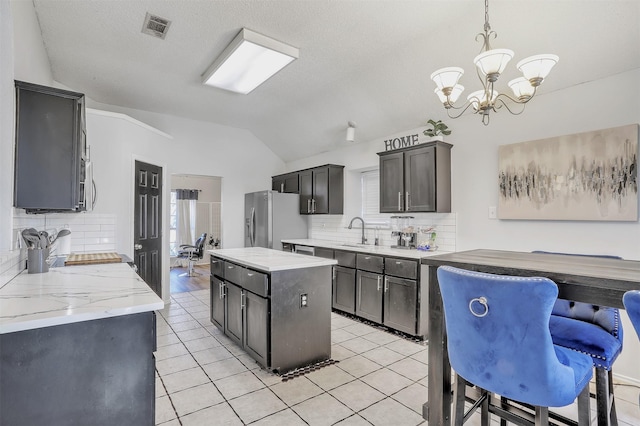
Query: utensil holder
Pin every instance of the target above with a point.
(37, 260)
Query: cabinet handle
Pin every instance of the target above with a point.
(406, 201)
(379, 282)
(386, 284)
(313, 205)
(367, 257)
(242, 304)
(230, 266)
(334, 273)
(398, 263)
(399, 201)
(282, 187)
(249, 274)
(309, 205)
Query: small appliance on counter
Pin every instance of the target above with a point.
(402, 228)
(270, 217)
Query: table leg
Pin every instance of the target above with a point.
(437, 409)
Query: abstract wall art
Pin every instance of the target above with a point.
(585, 176)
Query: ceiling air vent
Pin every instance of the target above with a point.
(155, 26)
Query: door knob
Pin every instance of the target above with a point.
(137, 246)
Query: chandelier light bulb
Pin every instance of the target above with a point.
(447, 77)
(537, 68)
(493, 61)
(522, 88)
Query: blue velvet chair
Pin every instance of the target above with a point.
(594, 330)
(631, 300)
(499, 341)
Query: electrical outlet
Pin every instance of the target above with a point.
(493, 212)
(303, 300)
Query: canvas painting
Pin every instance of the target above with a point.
(585, 176)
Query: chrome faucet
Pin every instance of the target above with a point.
(364, 240)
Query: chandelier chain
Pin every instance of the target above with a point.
(487, 27)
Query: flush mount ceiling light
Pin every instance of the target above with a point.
(490, 63)
(248, 61)
(351, 132)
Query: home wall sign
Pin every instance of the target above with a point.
(585, 176)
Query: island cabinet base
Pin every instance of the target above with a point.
(281, 318)
(98, 372)
(300, 335)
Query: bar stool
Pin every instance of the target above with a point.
(499, 341)
(596, 331)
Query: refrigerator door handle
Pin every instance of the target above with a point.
(252, 227)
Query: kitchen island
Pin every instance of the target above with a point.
(275, 305)
(76, 347)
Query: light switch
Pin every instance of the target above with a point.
(493, 212)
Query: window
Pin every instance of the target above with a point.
(173, 225)
(370, 183)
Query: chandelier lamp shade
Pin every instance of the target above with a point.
(490, 64)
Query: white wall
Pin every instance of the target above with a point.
(599, 104)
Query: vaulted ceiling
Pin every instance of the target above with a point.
(365, 61)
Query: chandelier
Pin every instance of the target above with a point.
(490, 63)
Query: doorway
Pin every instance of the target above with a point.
(189, 220)
(147, 240)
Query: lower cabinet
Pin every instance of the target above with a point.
(217, 302)
(255, 334)
(233, 305)
(247, 319)
(369, 296)
(344, 293)
(400, 304)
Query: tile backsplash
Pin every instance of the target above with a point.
(334, 228)
(90, 233)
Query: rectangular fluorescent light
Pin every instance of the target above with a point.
(248, 61)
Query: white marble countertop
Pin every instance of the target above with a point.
(269, 260)
(72, 294)
(381, 250)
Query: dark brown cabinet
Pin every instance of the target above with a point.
(50, 156)
(322, 190)
(288, 183)
(344, 289)
(416, 179)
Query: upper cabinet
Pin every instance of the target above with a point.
(50, 157)
(416, 179)
(321, 188)
(288, 183)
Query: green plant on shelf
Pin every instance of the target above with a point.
(438, 128)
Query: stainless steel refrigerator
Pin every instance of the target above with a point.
(270, 217)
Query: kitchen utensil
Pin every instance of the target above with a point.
(61, 233)
(32, 237)
(44, 239)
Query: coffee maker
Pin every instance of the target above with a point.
(402, 228)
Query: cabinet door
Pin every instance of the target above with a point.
(277, 183)
(306, 191)
(323, 252)
(47, 156)
(233, 303)
(320, 200)
(392, 183)
(344, 289)
(369, 296)
(400, 297)
(217, 302)
(420, 180)
(256, 330)
(286, 183)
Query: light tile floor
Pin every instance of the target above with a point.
(203, 378)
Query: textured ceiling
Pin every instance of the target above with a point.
(360, 60)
